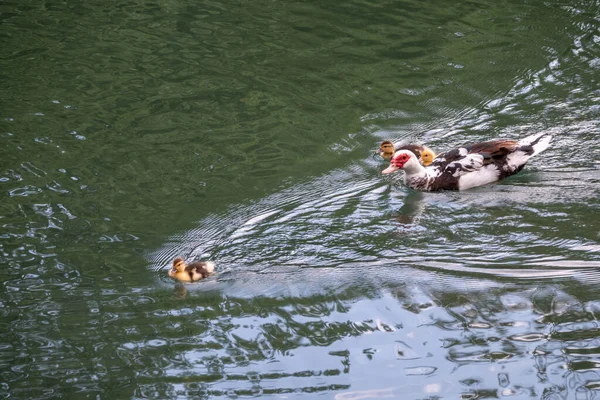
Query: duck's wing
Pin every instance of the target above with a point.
(444, 159)
(493, 147)
(493, 151)
(447, 171)
(457, 162)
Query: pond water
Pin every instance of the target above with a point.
(243, 132)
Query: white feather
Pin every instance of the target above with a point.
(542, 144)
(471, 163)
(210, 267)
(543, 141)
(515, 160)
(485, 175)
(518, 158)
(531, 138)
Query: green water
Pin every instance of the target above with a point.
(242, 132)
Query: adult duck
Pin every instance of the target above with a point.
(387, 149)
(191, 272)
(469, 166)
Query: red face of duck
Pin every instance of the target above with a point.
(398, 162)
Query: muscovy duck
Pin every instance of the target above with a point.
(469, 166)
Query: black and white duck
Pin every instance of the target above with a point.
(468, 166)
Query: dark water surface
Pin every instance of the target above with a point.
(242, 132)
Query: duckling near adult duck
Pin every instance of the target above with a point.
(469, 166)
(191, 272)
(424, 154)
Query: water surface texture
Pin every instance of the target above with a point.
(243, 132)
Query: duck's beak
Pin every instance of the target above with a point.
(390, 169)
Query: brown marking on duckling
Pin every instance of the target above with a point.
(192, 272)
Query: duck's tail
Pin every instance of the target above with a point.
(538, 142)
(527, 148)
(210, 266)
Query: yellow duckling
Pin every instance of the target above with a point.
(192, 272)
(425, 154)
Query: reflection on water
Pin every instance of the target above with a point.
(243, 133)
(398, 293)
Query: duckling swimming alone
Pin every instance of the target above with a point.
(425, 154)
(192, 272)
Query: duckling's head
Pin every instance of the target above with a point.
(427, 156)
(386, 150)
(178, 266)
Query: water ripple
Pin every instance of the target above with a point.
(243, 133)
(323, 223)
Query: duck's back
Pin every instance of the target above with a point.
(479, 164)
(200, 270)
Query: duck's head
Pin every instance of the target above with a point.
(386, 150)
(178, 266)
(403, 159)
(427, 156)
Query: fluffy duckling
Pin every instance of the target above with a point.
(425, 154)
(386, 150)
(192, 272)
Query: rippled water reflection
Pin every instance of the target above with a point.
(243, 133)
